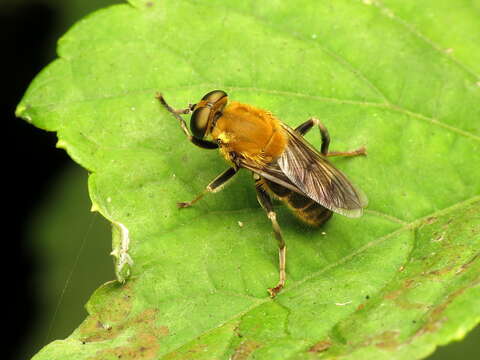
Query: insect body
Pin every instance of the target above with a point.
(283, 163)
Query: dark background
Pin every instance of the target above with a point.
(31, 161)
(46, 295)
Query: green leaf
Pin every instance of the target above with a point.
(399, 77)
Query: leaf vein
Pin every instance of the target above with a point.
(412, 29)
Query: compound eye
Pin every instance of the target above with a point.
(214, 96)
(199, 122)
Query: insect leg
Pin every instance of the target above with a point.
(216, 185)
(307, 125)
(266, 203)
(176, 113)
(359, 151)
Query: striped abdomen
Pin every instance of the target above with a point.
(305, 208)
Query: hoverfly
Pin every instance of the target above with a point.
(283, 163)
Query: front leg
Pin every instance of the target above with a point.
(307, 126)
(176, 113)
(216, 185)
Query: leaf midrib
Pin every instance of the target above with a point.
(386, 106)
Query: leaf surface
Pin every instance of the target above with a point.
(393, 284)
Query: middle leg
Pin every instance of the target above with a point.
(216, 185)
(266, 203)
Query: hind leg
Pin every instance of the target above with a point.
(307, 126)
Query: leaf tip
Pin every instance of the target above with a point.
(95, 207)
(20, 112)
(61, 144)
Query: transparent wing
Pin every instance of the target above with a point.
(271, 172)
(318, 179)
